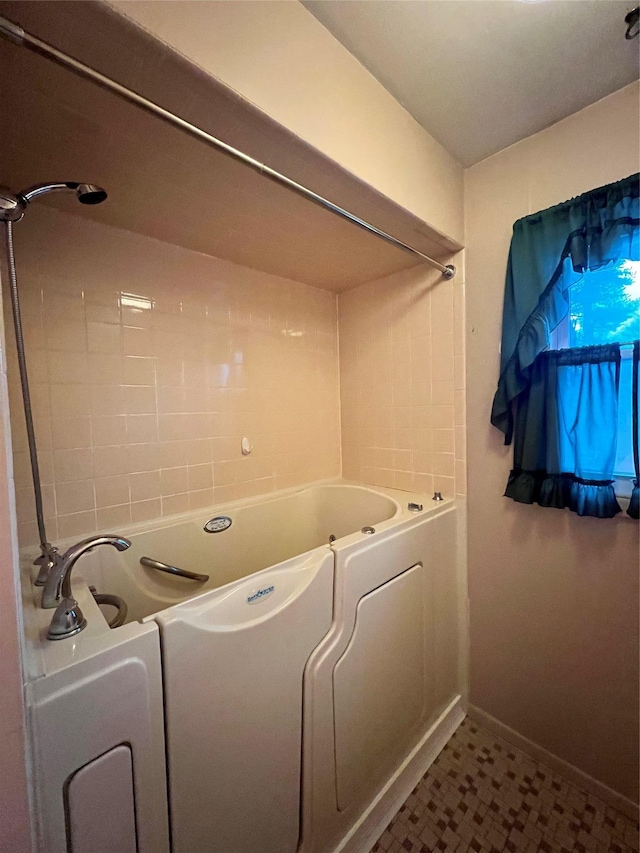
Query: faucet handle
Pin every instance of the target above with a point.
(67, 620)
(47, 561)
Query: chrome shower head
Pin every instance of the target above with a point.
(89, 193)
(14, 205)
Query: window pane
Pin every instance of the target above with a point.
(604, 306)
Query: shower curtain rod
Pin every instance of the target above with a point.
(16, 34)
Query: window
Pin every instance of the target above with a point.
(604, 307)
(570, 353)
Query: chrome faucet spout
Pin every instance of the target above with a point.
(68, 619)
(58, 584)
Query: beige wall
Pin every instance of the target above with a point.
(140, 411)
(402, 382)
(554, 597)
(279, 57)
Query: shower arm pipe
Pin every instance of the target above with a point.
(16, 34)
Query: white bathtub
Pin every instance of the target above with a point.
(270, 669)
(263, 533)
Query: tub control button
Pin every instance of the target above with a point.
(218, 524)
(413, 507)
(368, 530)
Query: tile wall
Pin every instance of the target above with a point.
(402, 382)
(149, 363)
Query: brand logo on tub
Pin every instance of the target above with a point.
(259, 594)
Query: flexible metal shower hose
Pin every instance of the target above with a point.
(24, 381)
(113, 601)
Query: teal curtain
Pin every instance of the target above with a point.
(572, 396)
(634, 505)
(587, 232)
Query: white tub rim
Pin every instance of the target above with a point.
(225, 507)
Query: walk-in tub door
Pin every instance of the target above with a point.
(380, 683)
(233, 663)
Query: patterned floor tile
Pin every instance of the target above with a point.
(482, 795)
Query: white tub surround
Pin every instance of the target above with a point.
(305, 685)
(95, 707)
(233, 664)
(383, 689)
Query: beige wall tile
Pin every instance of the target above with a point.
(67, 338)
(77, 524)
(172, 454)
(107, 400)
(143, 457)
(398, 380)
(172, 504)
(66, 369)
(108, 430)
(146, 510)
(138, 342)
(174, 481)
(144, 486)
(138, 370)
(154, 403)
(110, 460)
(104, 338)
(114, 516)
(201, 499)
(140, 399)
(69, 433)
(122, 394)
(112, 491)
(104, 368)
(68, 400)
(101, 313)
(200, 477)
(72, 465)
(443, 440)
(141, 429)
(75, 497)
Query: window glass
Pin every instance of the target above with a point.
(604, 307)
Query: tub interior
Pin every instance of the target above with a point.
(261, 535)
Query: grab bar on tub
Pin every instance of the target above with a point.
(172, 570)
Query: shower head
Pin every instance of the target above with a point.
(14, 205)
(90, 194)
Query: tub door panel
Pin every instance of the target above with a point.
(233, 665)
(379, 684)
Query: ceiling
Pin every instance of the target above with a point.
(479, 75)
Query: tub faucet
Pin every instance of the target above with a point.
(68, 618)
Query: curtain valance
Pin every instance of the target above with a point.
(587, 232)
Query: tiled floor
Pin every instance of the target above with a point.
(482, 795)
